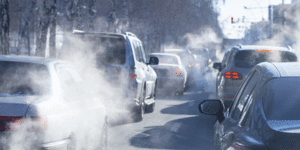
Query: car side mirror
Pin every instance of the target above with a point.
(153, 61)
(212, 107)
(217, 65)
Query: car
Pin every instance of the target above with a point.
(123, 58)
(171, 75)
(237, 63)
(188, 61)
(46, 104)
(265, 112)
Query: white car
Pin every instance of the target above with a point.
(171, 74)
(44, 103)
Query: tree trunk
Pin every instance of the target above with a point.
(45, 8)
(52, 43)
(4, 26)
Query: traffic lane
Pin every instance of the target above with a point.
(175, 124)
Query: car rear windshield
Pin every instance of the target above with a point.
(24, 78)
(281, 99)
(109, 50)
(250, 58)
(164, 59)
(185, 57)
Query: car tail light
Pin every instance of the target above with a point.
(133, 76)
(233, 75)
(34, 123)
(178, 72)
(238, 147)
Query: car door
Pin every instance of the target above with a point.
(141, 63)
(150, 74)
(224, 134)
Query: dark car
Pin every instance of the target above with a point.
(265, 113)
(237, 63)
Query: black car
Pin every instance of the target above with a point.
(265, 113)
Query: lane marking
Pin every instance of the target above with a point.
(175, 127)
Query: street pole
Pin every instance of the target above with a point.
(271, 20)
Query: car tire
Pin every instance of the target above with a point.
(138, 112)
(104, 137)
(150, 108)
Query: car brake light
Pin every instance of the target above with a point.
(233, 75)
(238, 147)
(178, 72)
(133, 76)
(35, 124)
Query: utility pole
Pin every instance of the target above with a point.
(271, 20)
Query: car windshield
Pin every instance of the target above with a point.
(250, 58)
(23, 78)
(281, 99)
(165, 59)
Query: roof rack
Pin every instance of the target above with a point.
(130, 34)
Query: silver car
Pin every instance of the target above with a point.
(237, 63)
(46, 104)
(171, 74)
(123, 58)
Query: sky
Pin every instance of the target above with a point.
(255, 11)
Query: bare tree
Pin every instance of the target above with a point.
(45, 8)
(52, 44)
(4, 26)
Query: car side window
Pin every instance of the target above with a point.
(136, 52)
(241, 101)
(142, 52)
(245, 113)
(225, 58)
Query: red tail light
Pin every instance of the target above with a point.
(178, 72)
(233, 75)
(34, 124)
(133, 76)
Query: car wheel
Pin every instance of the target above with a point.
(71, 143)
(150, 108)
(138, 112)
(104, 137)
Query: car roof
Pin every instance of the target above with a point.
(261, 47)
(26, 59)
(286, 69)
(103, 34)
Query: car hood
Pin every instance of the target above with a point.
(282, 134)
(16, 105)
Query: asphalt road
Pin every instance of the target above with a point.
(175, 124)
